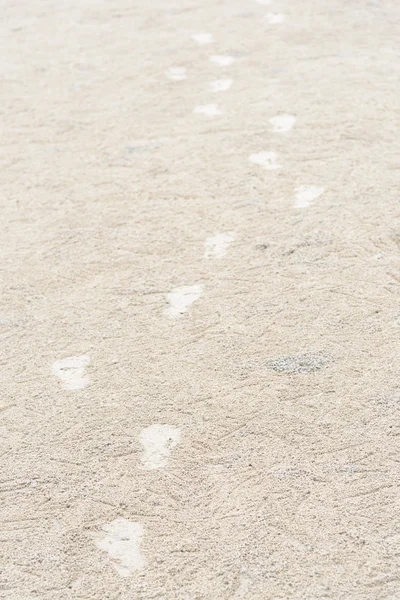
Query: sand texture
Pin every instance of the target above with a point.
(200, 307)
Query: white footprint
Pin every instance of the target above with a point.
(71, 371)
(268, 160)
(221, 85)
(244, 587)
(222, 60)
(121, 540)
(209, 110)
(181, 298)
(274, 18)
(282, 123)
(176, 73)
(217, 246)
(305, 194)
(158, 441)
(203, 38)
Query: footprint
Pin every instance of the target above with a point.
(203, 38)
(217, 246)
(181, 298)
(274, 18)
(268, 160)
(221, 85)
(209, 110)
(244, 587)
(282, 123)
(176, 73)
(305, 194)
(71, 371)
(121, 540)
(158, 441)
(222, 60)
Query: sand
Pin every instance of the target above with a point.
(200, 300)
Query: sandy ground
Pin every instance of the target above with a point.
(200, 310)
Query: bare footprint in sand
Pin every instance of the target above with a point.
(217, 245)
(71, 371)
(121, 540)
(158, 441)
(267, 160)
(180, 299)
(306, 194)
